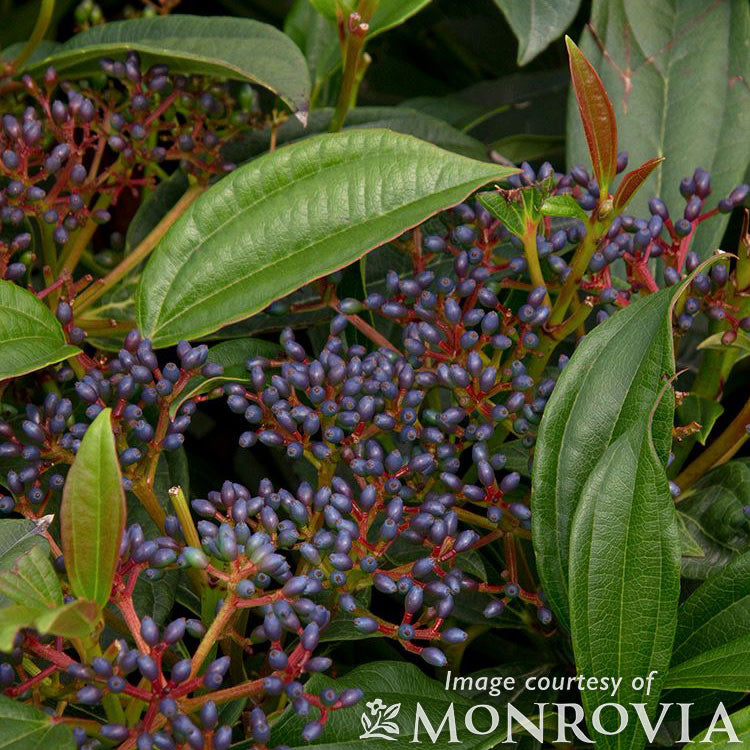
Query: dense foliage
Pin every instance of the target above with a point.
(282, 377)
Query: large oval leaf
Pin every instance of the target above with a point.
(92, 514)
(625, 579)
(292, 216)
(30, 336)
(666, 103)
(23, 727)
(610, 384)
(237, 48)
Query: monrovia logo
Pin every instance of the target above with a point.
(484, 719)
(376, 726)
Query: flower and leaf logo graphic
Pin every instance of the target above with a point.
(380, 726)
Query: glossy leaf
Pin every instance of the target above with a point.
(717, 612)
(683, 95)
(393, 683)
(292, 216)
(609, 385)
(713, 513)
(18, 536)
(235, 48)
(624, 578)
(30, 336)
(537, 23)
(726, 667)
(23, 727)
(32, 581)
(597, 116)
(702, 411)
(632, 181)
(720, 741)
(92, 515)
(232, 356)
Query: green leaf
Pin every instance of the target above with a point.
(393, 683)
(399, 119)
(717, 612)
(93, 513)
(517, 209)
(610, 384)
(537, 23)
(713, 513)
(563, 206)
(597, 116)
(741, 723)
(740, 347)
(232, 356)
(726, 667)
(317, 38)
(389, 13)
(23, 727)
(30, 336)
(73, 620)
(18, 536)
(667, 105)
(690, 547)
(625, 577)
(32, 581)
(235, 48)
(12, 619)
(702, 411)
(292, 216)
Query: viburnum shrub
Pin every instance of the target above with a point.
(481, 423)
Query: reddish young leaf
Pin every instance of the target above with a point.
(597, 116)
(633, 180)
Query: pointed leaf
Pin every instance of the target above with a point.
(725, 667)
(236, 48)
(289, 217)
(23, 727)
(30, 336)
(92, 515)
(32, 581)
(632, 181)
(537, 23)
(597, 116)
(609, 385)
(625, 578)
(515, 208)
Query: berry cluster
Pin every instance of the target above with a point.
(67, 154)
